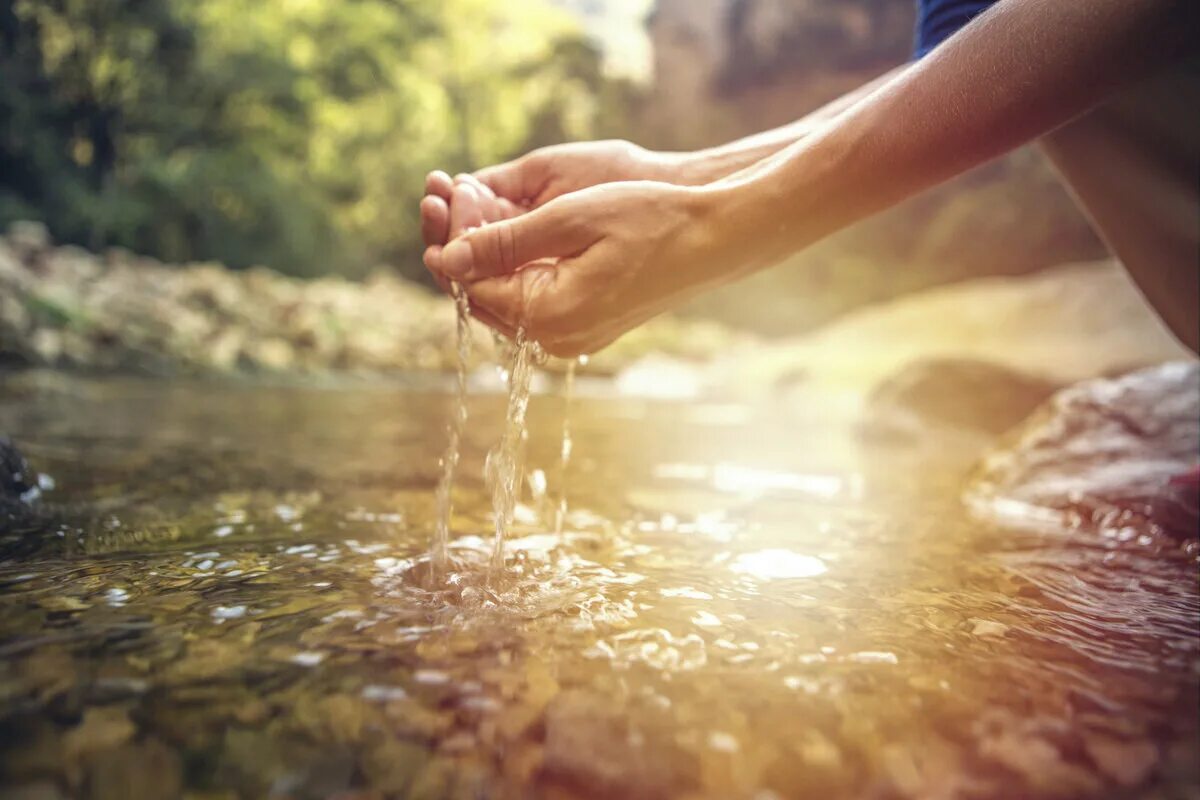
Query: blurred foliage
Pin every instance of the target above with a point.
(290, 133)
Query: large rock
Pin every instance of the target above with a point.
(1065, 324)
(1101, 455)
(959, 393)
(17, 479)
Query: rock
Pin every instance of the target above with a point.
(41, 790)
(13, 273)
(17, 479)
(66, 307)
(988, 628)
(147, 771)
(272, 355)
(102, 729)
(47, 344)
(1066, 324)
(392, 764)
(589, 746)
(336, 718)
(24, 524)
(1101, 455)
(1128, 763)
(28, 239)
(962, 393)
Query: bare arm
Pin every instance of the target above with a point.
(710, 164)
(1018, 71)
(585, 267)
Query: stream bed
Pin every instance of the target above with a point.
(224, 592)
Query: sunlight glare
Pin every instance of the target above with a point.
(776, 563)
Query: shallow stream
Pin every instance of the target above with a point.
(225, 594)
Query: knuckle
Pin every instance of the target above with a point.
(506, 246)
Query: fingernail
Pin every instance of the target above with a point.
(456, 259)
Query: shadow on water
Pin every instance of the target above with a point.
(226, 593)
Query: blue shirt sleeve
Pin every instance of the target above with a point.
(938, 20)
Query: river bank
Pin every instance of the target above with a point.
(64, 307)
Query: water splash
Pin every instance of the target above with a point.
(504, 466)
(439, 554)
(564, 459)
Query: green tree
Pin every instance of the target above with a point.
(291, 133)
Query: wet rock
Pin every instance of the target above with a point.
(147, 771)
(102, 728)
(988, 628)
(589, 746)
(392, 764)
(1128, 763)
(41, 790)
(25, 526)
(338, 718)
(28, 239)
(207, 660)
(1045, 324)
(962, 393)
(316, 775)
(1101, 455)
(17, 479)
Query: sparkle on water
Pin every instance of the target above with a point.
(224, 593)
(777, 563)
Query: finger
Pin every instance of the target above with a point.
(483, 188)
(465, 211)
(481, 314)
(433, 262)
(488, 205)
(493, 322)
(508, 297)
(518, 181)
(553, 231)
(435, 220)
(438, 183)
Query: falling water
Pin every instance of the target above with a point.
(503, 468)
(439, 556)
(564, 461)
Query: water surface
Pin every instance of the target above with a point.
(225, 595)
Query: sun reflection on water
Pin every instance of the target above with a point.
(777, 562)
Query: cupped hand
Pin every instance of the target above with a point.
(540, 176)
(585, 267)
(505, 190)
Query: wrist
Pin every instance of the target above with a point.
(702, 166)
(758, 217)
(675, 167)
(719, 250)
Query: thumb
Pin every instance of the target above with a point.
(552, 231)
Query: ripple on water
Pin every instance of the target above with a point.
(772, 640)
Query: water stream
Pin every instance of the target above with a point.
(216, 599)
(504, 468)
(564, 455)
(439, 554)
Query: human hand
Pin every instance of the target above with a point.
(585, 267)
(538, 177)
(505, 190)
(452, 205)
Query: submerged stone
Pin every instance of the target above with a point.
(1102, 455)
(17, 479)
(961, 393)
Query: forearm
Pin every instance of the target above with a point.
(713, 163)
(1018, 71)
